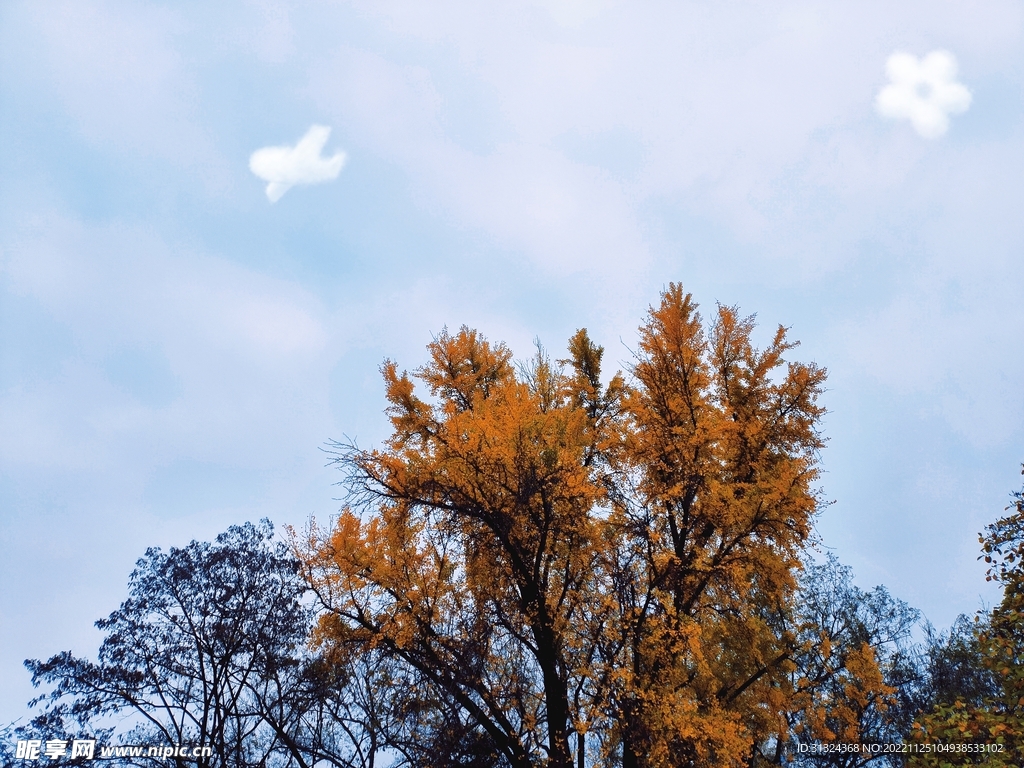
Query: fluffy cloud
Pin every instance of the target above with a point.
(284, 167)
(924, 91)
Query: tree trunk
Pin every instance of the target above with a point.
(628, 757)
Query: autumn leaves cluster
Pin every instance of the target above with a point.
(554, 566)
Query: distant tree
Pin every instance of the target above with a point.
(209, 649)
(857, 676)
(989, 708)
(953, 665)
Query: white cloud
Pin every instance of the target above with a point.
(284, 167)
(923, 91)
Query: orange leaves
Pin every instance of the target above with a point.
(475, 562)
(684, 731)
(464, 368)
(543, 552)
(727, 453)
(719, 452)
(409, 415)
(866, 683)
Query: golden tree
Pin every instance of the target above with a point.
(553, 570)
(475, 564)
(718, 458)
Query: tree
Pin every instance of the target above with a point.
(717, 462)
(208, 651)
(954, 668)
(473, 570)
(858, 675)
(988, 709)
(555, 570)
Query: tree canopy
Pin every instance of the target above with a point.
(581, 570)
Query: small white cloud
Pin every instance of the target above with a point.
(284, 167)
(923, 91)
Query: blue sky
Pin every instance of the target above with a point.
(174, 348)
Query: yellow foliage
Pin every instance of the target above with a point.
(555, 555)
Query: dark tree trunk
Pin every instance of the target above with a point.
(628, 757)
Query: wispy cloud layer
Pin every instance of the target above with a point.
(284, 167)
(923, 91)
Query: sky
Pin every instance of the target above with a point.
(218, 219)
